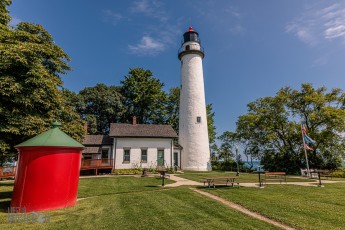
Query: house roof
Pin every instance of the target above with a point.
(141, 130)
(92, 150)
(97, 140)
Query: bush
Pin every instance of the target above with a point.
(127, 171)
(138, 171)
(338, 173)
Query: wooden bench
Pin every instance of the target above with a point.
(326, 174)
(277, 176)
(7, 172)
(220, 181)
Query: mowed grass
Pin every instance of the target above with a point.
(242, 178)
(135, 203)
(298, 206)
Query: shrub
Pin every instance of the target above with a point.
(127, 171)
(338, 173)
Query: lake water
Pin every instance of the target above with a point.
(255, 164)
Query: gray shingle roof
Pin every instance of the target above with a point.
(93, 150)
(97, 140)
(141, 130)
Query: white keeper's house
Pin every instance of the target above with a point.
(131, 146)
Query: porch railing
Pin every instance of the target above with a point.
(7, 171)
(96, 163)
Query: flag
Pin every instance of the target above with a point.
(308, 148)
(307, 139)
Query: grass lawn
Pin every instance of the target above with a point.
(135, 203)
(299, 206)
(242, 178)
(126, 202)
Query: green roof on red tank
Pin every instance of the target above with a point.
(53, 137)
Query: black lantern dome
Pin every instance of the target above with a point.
(191, 44)
(191, 36)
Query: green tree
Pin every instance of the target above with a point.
(144, 97)
(228, 140)
(173, 108)
(101, 104)
(271, 128)
(30, 65)
(210, 124)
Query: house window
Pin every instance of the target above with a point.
(198, 119)
(143, 155)
(104, 153)
(160, 157)
(126, 155)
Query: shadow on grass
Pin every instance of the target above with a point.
(5, 195)
(4, 205)
(4, 202)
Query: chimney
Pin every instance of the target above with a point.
(85, 128)
(134, 120)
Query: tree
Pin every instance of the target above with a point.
(173, 108)
(30, 68)
(272, 128)
(99, 106)
(228, 140)
(144, 97)
(210, 124)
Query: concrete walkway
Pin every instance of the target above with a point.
(179, 181)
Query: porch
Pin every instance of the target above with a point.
(96, 164)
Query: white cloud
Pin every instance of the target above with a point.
(113, 17)
(147, 46)
(320, 23)
(150, 8)
(157, 36)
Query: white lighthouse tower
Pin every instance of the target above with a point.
(193, 133)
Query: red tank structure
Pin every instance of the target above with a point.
(48, 170)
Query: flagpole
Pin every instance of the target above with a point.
(305, 152)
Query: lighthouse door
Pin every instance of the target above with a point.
(160, 157)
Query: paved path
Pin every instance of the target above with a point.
(182, 181)
(179, 181)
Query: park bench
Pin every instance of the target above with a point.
(327, 174)
(275, 176)
(212, 181)
(7, 172)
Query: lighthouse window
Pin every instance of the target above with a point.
(187, 47)
(198, 119)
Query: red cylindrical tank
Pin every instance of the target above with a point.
(48, 172)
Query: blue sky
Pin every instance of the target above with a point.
(252, 48)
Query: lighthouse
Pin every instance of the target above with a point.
(193, 133)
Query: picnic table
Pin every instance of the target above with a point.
(220, 180)
(279, 176)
